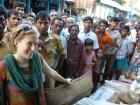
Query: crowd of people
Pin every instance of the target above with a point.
(36, 50)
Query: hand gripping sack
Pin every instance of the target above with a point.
(70, 93)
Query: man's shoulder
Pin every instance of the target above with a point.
(52, 36)
(91, 32)
(106, 34)
(79, 41)
(81, 33)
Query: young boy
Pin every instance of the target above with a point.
(96, 68)
(90, 57)
(125, 48)
(20, 7)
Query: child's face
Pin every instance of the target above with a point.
(124, 32)
(89, 47)
(93, 28)
(99, 53)
(97, 30)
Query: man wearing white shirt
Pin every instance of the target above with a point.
(69, 21)
(87, 33)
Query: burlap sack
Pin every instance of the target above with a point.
(68, 94)
(123, 97)
(115, 99)
(127, 97)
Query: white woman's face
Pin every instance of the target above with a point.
(26, 46)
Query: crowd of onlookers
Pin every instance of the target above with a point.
(72, 49)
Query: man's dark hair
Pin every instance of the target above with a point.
(41, 15)
(3, 11)
(104, 22)
(19, 4)
(125, 27)
(115, 19)
(88, 41)
(88, 18)
(57, 18)
(73, 25)
(13, 11)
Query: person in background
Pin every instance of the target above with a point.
(93, 27)
(3, 48)
(132, 38)
(125, 48)
(64, 16)
(3, 43)
(89, 55)
(21, 72)
(65, 33)
(97, 30)
(13, 20)
(55, 52)
(53, 42)
(137, 27)
(109, 19)
(75, 54)
(31, 12)
(53, 14)
(42, 25)
(96, 68)
(3, 16)
(30, 19)
(87, 33)
(105, 43)
(20, 7)
(116, 38)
